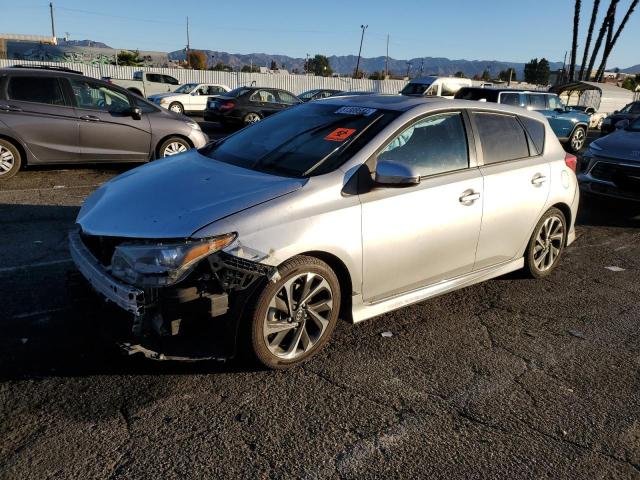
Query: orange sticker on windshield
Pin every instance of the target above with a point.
(340, 134)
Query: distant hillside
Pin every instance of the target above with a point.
(81, 43)
(346, 64)
(634, 69)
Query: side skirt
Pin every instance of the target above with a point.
(363, 311)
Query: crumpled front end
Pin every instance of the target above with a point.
(192, 314)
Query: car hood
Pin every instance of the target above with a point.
(175, 197)
(621, 144)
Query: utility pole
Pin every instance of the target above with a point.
(306, 65)
(188, 58)
(386, 60)
(564, 64)
(53, 23)
(363, 27)
(408, 68)
(421, 67)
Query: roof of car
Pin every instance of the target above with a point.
(398, 103)
(505, 89)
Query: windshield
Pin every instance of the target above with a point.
(310, 139)
(186, 88)
(415, 88)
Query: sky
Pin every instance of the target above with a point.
(504, 30)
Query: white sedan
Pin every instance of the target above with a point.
(190, 97)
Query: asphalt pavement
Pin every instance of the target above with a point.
(512, 378)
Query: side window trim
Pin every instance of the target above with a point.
(471, 146)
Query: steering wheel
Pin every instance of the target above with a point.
(100, 103)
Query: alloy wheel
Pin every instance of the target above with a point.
(548, 244)
(7, 160)
(251, 118)
(173, 149)
(174, 107)
(298, 315)
(577, 140)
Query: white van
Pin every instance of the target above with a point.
(432, 86)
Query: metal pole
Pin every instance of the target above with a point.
(188, 58)
(386, 60)
(53, 23)
(363, 27)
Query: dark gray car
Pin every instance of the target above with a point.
(52, 116)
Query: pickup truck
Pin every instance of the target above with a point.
(146, 84)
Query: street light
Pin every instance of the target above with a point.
(363, 27)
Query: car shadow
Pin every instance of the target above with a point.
(606, 212)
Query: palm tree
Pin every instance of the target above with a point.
(594, 14)
(603, 30)
(612, 41)
(574, 45)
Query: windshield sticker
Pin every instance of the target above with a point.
(340, 134)
(356, 111)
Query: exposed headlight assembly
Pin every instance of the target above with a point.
(159, 265)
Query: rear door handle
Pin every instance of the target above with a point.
(90, 118)
(468, 197)
(10, 108)
(538, 179)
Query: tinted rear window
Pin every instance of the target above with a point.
(535, 129)
(477, 94)
(502, 137)
(36, 89)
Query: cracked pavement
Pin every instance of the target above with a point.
(512, 378)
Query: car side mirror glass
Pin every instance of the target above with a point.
(136, 113)
(616, 111)
(622, 124)
(395, 174)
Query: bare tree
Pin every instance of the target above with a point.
(603, 30)
(594, 14)
(612, 41)
(574, 44)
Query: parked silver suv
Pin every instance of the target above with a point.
(50, 116)
(349, 205)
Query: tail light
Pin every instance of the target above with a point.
(225, 106)
(571, 161)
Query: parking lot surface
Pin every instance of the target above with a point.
(513, 378)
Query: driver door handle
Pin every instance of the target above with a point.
(538, 179)
(468, 197)
(90, 118)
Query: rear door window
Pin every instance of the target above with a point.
(154, 77)
(286, 98)
(263, 96)
(512, 99)
(501, 136)
(169, 80)
(36, 89)
(537, 102)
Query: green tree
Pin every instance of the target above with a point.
(376, 76)
(221, 67)
(274, 65)
(631, 83)
(531, 71)
(319, 65)
(129, 59)
(250, 69)
(197, 60)
(485, 76)
(543, 72)
(459, 74)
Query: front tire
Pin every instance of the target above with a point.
(294, 318)
(176, 107)
(251, 118)
(577, 139)
(173, 146)
(546, 244)
(10, 159)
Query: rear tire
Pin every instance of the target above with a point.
(10, 159)
(173, 146)
(176, 107)
(546, 244)
(293, 319)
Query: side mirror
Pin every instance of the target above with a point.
(136, 113)
(622, 124)
(616, 111)
(562, 110)
(396, 174)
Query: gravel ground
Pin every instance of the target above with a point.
(513, 378)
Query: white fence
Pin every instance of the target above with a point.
(293, 83)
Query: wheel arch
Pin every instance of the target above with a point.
(344, 279)
(566, 211)
(21, 149)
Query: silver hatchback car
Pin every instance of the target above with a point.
(348, 206)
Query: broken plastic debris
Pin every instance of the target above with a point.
(387, 334)
(615, 269)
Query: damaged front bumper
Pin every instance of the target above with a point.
(195, 319)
